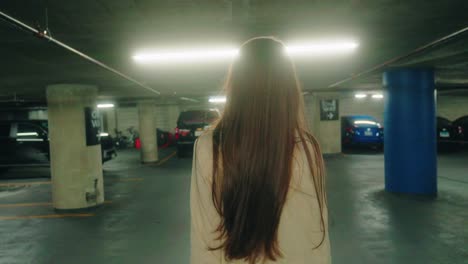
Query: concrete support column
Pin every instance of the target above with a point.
(410, 131)
(147, 131)
(325, 126)
(76, 168)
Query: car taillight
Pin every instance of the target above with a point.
(349, 130)
(179, 132)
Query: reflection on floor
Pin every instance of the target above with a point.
(146, 219)
(369, 225)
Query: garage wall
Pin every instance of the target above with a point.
(200, 106)
(327, 132)
(38, 115)
(452, 107)
(126, 117)
(166, 117)
(24, 114)
(368, 106)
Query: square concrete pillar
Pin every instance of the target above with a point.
(327, 132)
(147, 131)
(76, 168)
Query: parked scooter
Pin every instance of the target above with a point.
(133, 136)
(121, 141)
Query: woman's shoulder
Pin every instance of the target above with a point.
(204, 142)
(203, 154)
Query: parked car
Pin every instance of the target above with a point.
(361, 130)
(26, 142)
(165, 138)
(190, 125)
(448, 135)
(461, 125)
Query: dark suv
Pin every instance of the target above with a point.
(190, 125)
(461, 125)
(26, 142)
(449, 136)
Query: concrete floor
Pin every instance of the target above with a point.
(146, 219)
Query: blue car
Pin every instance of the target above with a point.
(361, 130)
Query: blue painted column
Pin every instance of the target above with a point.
(410, 131)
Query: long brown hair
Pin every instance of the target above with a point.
(262, 123)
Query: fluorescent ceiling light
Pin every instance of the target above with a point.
(377, 96)
(103, 134)
(360, 95)
(188, 99)
(25, 134)
(217, 99)
(105, 105)
(319, 48)
(184, 56)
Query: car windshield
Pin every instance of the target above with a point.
(462, 120)
(198, 117)
(443, 121)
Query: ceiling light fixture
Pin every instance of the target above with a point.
(184, 56)
(360, 95)
(377, 96)
(189, 99)
(217, 99)
(105, 105)
(319, 48)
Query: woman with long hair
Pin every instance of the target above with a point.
(258, 187)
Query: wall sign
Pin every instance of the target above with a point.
(329, 109)
(93, 126)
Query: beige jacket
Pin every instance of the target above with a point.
(299, 229)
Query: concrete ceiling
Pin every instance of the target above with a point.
(448, 58)
(112, 31)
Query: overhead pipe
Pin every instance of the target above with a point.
(45, 35)
(402, 57)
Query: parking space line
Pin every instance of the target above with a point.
(24, 184)
(51, 216)
(161, 162)
(15, 184)
(14, 205)
(24, 205)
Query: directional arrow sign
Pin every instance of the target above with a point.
(329, 109)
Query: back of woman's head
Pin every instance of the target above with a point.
(253, 149)
(262, 86)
